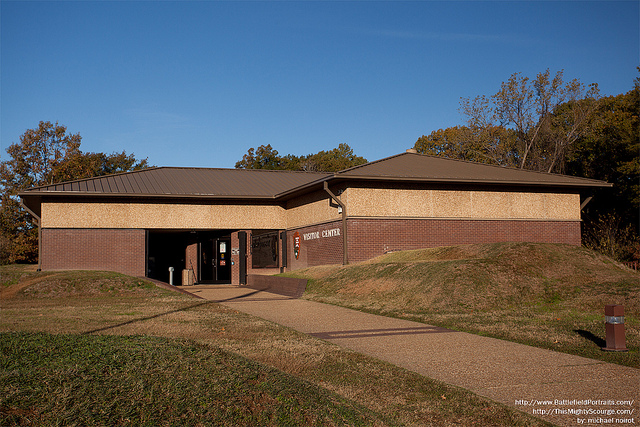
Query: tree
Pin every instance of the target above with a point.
(548, 125)
(32, 163)
(568, 120)
(85, 165)
(36, 157)
(265, 157)
(335, 160)
(45, 155)
(544, 113)
(490, 144)
(610, 151)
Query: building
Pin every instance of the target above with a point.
(218, 225)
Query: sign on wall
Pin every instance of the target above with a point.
(298, 238)
(296, 244)
(322, 234)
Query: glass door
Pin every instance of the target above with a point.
(223, 260)
(207, 261)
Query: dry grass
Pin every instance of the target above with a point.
(398, 396)
(549, 296)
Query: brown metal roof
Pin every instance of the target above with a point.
(194, 182)
(171, 182)
(417, 167)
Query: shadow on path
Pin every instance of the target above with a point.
(368, 333)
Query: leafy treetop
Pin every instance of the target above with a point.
(265, 157)
(45, 155)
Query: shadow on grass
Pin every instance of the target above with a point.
(155, 316)
(591, 337)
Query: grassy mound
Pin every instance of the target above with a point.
(137, 380)
(485, 277)
(26, 282)
(87, 283)
(550, 296)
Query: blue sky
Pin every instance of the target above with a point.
(198, 83)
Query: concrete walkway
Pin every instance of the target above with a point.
(566, 390)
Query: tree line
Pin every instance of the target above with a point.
(544, 124)
(45, 155)
(549, 125)
(265, 157)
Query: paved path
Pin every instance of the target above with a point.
(518, 375)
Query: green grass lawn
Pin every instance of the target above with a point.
(97, 348)
(140, 380)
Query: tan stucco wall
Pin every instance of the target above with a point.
(315, 208)
(311, 209)
(377, 202)
(168, 216)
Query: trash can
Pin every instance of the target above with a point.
(188, 277)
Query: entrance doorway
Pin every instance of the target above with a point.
(166, 249)
(214, 260)
(206, 253)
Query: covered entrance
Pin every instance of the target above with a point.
(196, 256)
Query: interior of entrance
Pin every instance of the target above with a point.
(206, 253)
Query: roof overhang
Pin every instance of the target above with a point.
(187, 186)
(339, 179)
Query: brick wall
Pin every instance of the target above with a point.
(120, 250)
(191, 263)
(124, 250)
(277, 285)
(235, 259)
(369, 238)
(316, 248)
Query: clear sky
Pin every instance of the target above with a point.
(197, 83)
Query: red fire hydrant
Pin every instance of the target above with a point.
(614, 325)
